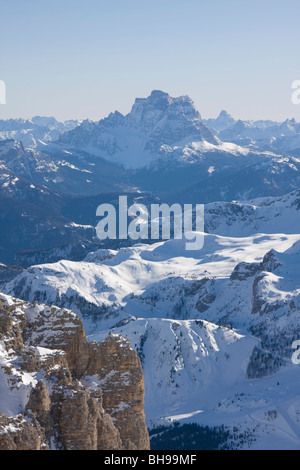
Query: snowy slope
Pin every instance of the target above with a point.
(144, 280)
(263, 215)
(239, 374)
(183, 361)
(196, 372)
(62, 171)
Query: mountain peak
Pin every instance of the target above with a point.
(155, 105)
(224, 114)
(44, 121)
(153, 122)
(223, 121)
(168, 120)
(159, 94)
(161, 100)
(86, 123)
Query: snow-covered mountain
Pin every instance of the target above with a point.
(263, 215)
(153, 125)
(164, 147)
(159, 280)
(62, 172)
(38, 202)
(276, 136)
(159, 130)
(226, 121)
(31, 213)
(236, 232)
(223, 121)
(168, 149)
(36, 131)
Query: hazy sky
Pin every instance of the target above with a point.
(84, 59)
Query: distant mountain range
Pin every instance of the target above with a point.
(162, 147)
(35, 131)
(274, 136)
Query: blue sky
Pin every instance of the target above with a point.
(84, 59)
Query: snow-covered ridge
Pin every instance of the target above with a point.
(278, 136)
(36, 131)
(262, 215)
(144, 280)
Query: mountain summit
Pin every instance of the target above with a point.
(136, 139)
(223, 121)
(169, 120)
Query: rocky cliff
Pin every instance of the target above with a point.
(60, 392)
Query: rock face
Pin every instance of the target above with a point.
(60, 392)
(122, 384)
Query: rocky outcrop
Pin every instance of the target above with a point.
(243, 271)
(122, 384)
(17, 434)
(58, 391)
